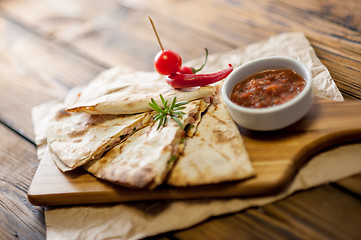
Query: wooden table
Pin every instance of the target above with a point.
(47, 47)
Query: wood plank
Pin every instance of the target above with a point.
(273, 17)
(313, 214)
(283, 152)
(26, 81)
(102, 32)
(19, 219)
(334, 31)
(345, 71)
(352, 184)
(346, 16)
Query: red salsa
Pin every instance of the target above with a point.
(268, 88)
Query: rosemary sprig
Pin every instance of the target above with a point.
(173, 111)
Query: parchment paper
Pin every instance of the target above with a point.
(138, 220)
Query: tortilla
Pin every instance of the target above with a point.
(42, 114)
(215, 154)
(144, 159)
(114, 92)
(75, 138)
(192, 127)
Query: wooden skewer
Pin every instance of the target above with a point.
(156, 33)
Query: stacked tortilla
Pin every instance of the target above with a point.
(108, 130)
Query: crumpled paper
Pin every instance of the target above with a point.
(139, 220)
(293, 45)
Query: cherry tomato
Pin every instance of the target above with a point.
(186, 70)
(167, 62)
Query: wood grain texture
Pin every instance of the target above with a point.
(352, 184)
(34, 70)
(313, 214)
(48, 46)
(113, 33)
(19, 219)
(283, 153)
(218, 25)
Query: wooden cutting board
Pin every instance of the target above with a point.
(276, 157)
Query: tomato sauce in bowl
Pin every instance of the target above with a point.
(268, 88)
(279, 97)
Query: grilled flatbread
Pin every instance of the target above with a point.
(144, 159)
(114, 92)
(76, 138)
(215, 154)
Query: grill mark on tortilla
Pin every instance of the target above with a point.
(196, 168)
(98, 119)
(110, 91)
(222, 137)
(76, 133)
(216, 118)
(149, 174)
(79, 123)
(217, 129)
(87, 121)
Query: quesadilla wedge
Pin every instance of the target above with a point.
(144, 159)
(114, 92)
(216, 153)
(76, 138)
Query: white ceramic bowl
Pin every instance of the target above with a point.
(275, 117)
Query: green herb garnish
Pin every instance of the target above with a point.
(173, 111)
(172, 159)
(205, 61)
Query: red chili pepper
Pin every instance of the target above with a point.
(190, 70)
(179, 80)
